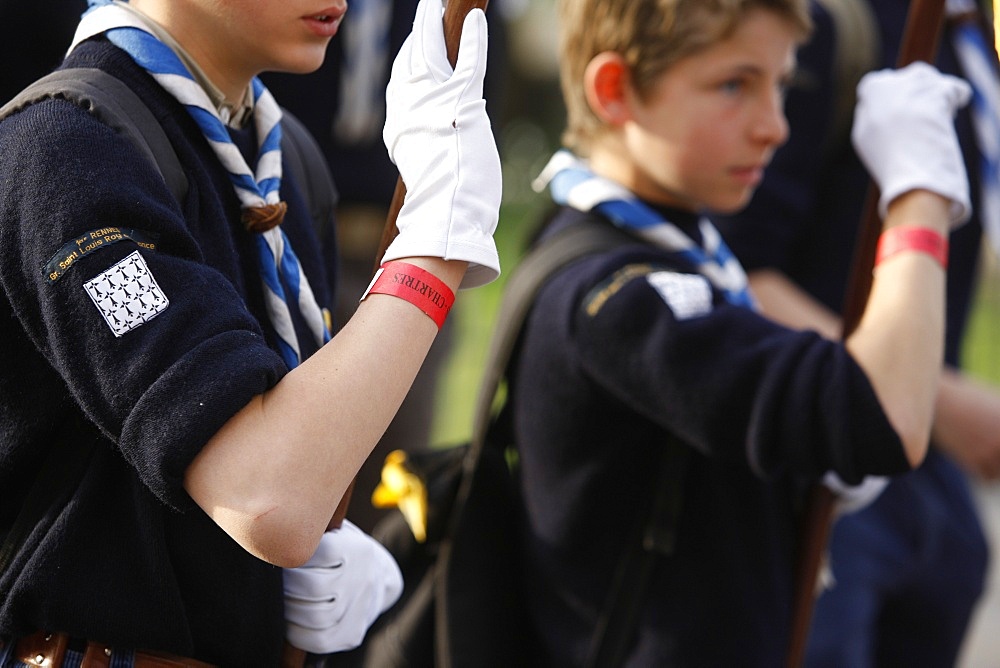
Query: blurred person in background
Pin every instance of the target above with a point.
(36, 36)
(907, 570)
(645, 378)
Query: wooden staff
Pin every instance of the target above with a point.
(454, 17)
(996, 25)
(920, 38)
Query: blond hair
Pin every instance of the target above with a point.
(650, 35)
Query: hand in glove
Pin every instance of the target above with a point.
(439, 136)
(904, 133)
(334, 597)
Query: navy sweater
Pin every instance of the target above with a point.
(131, 560)
(606, 376)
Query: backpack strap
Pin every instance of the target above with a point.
(484, 489)
(621, 610)
(576, 241)
(115, 104)
(616, 625)
(613, 636)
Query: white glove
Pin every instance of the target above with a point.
(904, 133)
(334, 597)
(852, 498)
(439, 137)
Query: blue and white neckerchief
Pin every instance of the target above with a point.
(571, 183)
(258, 193)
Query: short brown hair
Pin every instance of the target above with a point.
(650, 35)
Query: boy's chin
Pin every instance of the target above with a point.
(732, 205)
(301, 61)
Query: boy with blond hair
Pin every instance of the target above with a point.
(674, 110)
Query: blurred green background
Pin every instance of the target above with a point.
(529, 117)
(981, 351)
(525, 147)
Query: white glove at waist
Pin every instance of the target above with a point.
(332, 600)
(904, 133)
(439, 136)
(852, 498)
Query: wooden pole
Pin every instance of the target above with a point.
(920, 39)
(996, 25)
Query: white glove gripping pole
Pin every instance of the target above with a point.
(904, 133)
(438, 134)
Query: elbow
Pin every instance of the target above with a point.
(274, 537)
(290, 558)
(915, 435)
(911, 416)
(280, 526)
(287, 549)
(916, 450)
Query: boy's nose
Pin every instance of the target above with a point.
(771, 126)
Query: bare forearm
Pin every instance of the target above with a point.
(899, 341)
(273, 475)
(966, 411)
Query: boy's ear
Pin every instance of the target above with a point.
(605, 82)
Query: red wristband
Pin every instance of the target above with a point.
(919, 239)
(417, 286)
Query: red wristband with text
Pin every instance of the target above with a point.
(417, 286)
(916, 239)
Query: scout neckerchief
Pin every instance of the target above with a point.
(281, 273)
(573, 184)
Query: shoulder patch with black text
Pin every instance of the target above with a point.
(80, 247)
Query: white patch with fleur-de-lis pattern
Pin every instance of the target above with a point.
(127, 295)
